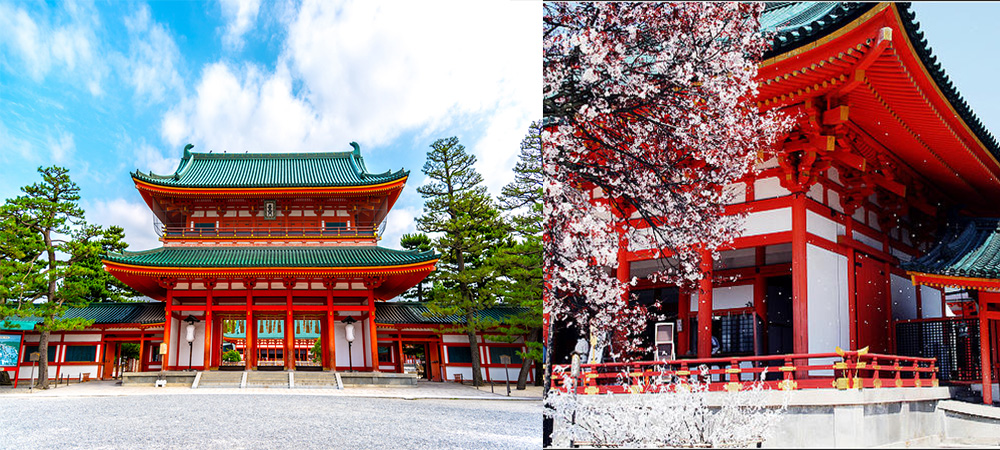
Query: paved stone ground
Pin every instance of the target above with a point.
(100, 415)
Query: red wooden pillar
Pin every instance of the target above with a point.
(168, 314)
(984, 344)
(249, 329)
(209, 328)
(684, 331)
(330, 347)
(800, 339)
(289, 327)
(399, 348)
(705, 307)
(852, 288)
(371, 327)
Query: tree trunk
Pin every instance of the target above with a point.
(477, 373)
(522, 376)
(43, 360)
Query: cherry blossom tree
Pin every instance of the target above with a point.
(649, 115)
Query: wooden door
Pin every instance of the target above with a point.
(872, 304)
(108, 362)
(434, 361)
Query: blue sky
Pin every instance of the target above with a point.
(105, 88)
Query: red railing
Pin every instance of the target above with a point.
(855, 370)
(259, 232)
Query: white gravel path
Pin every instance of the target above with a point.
(180, 418)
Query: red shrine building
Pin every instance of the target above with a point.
(269, 261)
(884, 156)
(271, 239)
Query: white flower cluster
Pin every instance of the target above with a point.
(651, 104)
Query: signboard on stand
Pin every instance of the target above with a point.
(10, 348)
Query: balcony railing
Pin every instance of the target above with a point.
(264, 232)
(855, 370)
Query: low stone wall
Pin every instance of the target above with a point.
(865, 418)
(378, 379)
(964, 421)
(174, 378)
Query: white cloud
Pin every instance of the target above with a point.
(61, 147)
(135, 218)
(355, 71)
(400, 221)
(63, 41)
(241, 15)
(151, 65)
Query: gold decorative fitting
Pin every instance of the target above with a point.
(877, 383)
(591, 390)
(899, 382)
(787, 368)
(841, 383)
(683, 373)
(733, 370)
(788, 385)
(733, 386)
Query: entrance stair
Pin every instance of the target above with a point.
(326, 380)
(267, 379)
(220, 379)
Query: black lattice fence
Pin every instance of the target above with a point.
(735, 333)
(953, 341)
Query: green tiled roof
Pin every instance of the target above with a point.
(799, 23)
(970, 249)
(356, 256)
(796, 24)
(271, 170)
(418, 313)
(111, 313)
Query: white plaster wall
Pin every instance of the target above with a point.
(727, 297)
(737, 192)
(773, 221)
(859, 215)
(904, 298)
(930, 302)
(816, 192)
(864, 239)
(466, 373)
(732, 296)
(827, 304)
(903, 256)
(82, 338)
(498, 376)
(823, 227)
(357, 354)
(769, 188)
(833, 200)
(198, 347)
(75, 371)
(456, 338)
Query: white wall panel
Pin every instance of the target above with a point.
(930, 302)
(904, 298)
(768, 188)
(827, 295)
(764, 222)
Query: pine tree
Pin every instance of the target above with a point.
(521, 263)
(422, 243)
(48, 242)
(460, 212)
(99, 285)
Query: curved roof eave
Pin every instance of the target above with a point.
(804, 26)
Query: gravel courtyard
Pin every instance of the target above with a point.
(240, 421)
